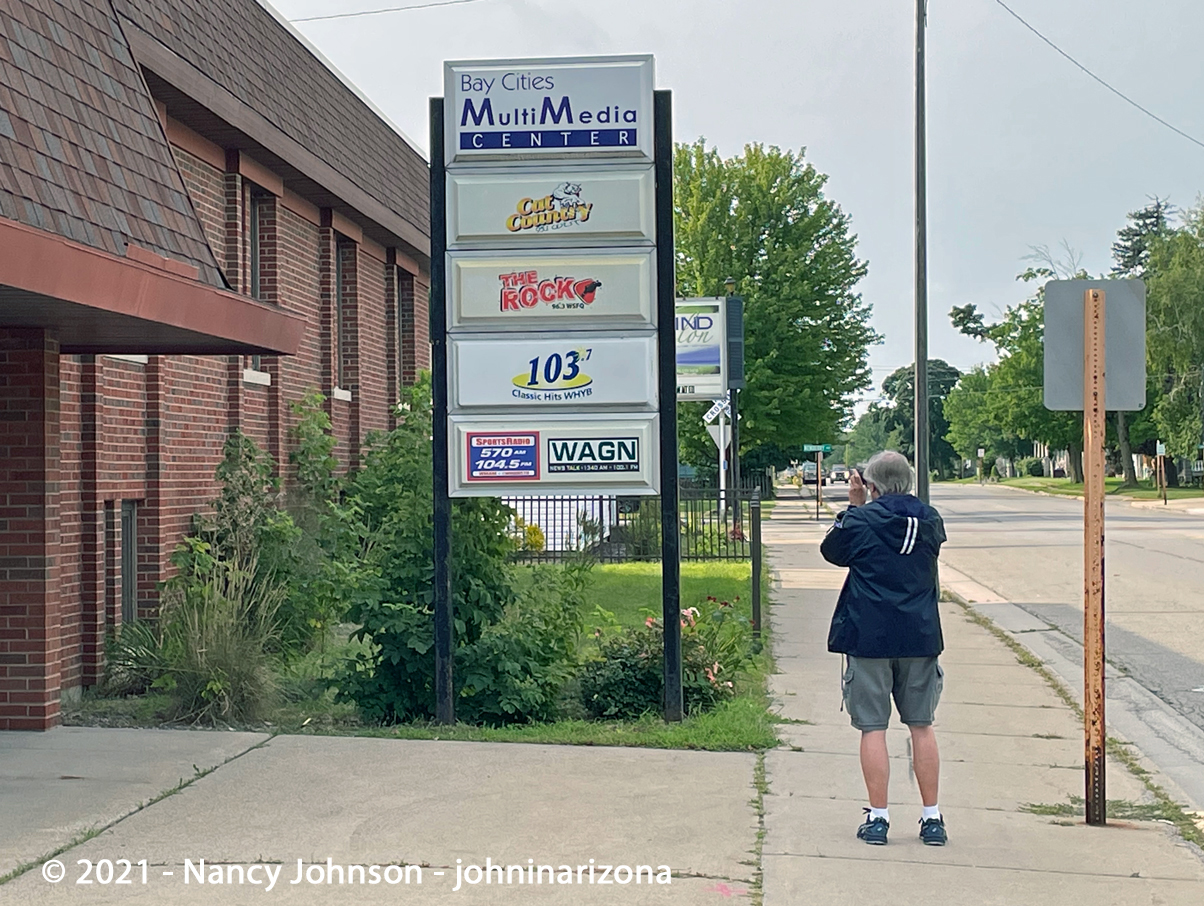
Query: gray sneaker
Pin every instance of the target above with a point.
(932, 831)
(873, 831)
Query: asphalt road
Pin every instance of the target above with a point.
(1028, 548)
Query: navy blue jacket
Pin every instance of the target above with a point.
(888, 605)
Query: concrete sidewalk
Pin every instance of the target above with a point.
(1007, 740)
(439, 805)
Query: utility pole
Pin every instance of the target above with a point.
(921, 300)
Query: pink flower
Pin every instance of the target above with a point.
(650, 622)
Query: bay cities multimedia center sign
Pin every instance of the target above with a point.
(552, 372)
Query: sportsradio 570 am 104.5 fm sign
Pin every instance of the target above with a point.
(616, 455)
(566, 372)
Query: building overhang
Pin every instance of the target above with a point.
(99, 303)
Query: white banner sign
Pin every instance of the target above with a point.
(701, 326)
(548, 107)
(568, 372)
(550, 207)
(522, 455)
(558, 290)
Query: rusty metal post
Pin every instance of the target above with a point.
(1095, 730)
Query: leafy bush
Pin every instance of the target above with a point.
(1032, 466)
(216, 642)
(512, 653)
(210, 647)
(627, 680)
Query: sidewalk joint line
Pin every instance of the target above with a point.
(87, 834)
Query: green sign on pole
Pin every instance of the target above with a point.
(817, 448)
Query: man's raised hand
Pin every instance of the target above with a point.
(856, 489)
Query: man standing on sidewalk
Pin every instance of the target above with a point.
(888, 624)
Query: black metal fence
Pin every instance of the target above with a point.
(613, 529)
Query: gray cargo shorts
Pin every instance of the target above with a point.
(869, 683)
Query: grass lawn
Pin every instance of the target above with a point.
(1112, 486)
(629, 591)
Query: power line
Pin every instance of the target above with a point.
(1128, 100)
(388, 9)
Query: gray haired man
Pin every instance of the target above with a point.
(888, 624)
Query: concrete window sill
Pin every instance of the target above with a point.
(135, 359)
(250, 376)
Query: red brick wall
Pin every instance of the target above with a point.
(113, 430)
(31, 644)
(206, 188)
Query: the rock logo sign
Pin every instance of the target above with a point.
(522, 290)
(562, 208)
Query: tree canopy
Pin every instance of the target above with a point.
(763, 219)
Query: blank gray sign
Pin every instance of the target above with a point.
(1124, 336)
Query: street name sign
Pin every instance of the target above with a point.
(723, 406)
(817, 448)
(1124, 344)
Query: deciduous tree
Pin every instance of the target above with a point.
(763, 218)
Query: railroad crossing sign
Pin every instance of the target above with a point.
(817, 448)
(723, 406)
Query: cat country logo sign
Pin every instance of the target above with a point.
(562, 208)
(526, 289)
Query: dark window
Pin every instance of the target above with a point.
(255, 241)
(129, 561)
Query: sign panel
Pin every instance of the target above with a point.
(618, 455)
(501, 456)
(1124, 344)
(701, 327)
(554, 107)
(542, 207)
(556, 290)
(817, 448)
(724, 405)
(566, 372)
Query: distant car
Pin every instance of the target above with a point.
(840, 472)
(810, 471)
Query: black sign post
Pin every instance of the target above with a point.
(445, 701)
(666, 292)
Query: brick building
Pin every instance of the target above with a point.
(200, 221)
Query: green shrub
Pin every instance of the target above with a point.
(134, 658)
(217, 638)
(627, 679)
(1032, 466)
(210, 649)
(512, 653)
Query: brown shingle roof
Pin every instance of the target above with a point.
(82, 152)
(240, 46)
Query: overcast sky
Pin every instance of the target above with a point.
(1023, 148)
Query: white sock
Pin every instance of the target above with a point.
(883, 813)
(931, 811)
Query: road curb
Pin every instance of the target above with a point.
(1166, 745)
